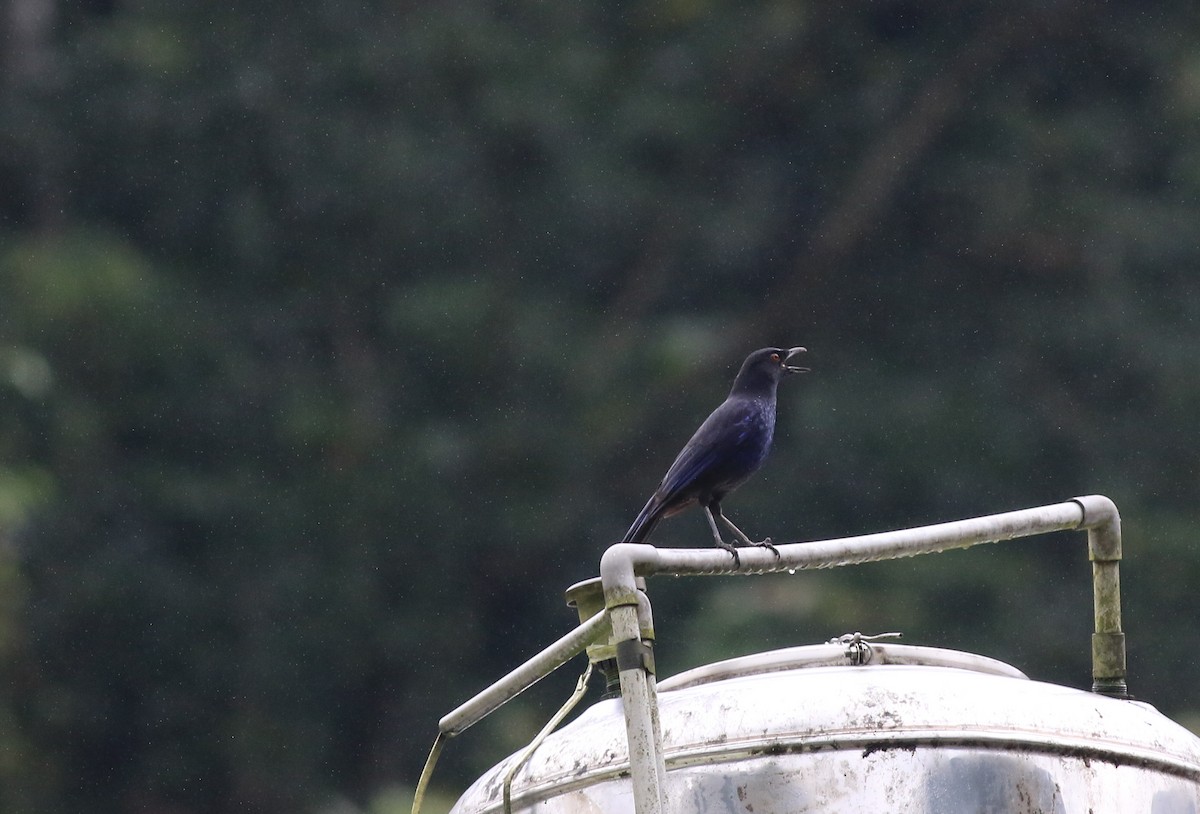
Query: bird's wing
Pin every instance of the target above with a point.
(710, 447)
(720, 434)
(689, 465)
(726, 428)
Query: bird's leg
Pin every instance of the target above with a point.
(712, 524)
(741, 535)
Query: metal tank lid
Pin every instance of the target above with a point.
(837, 654)
(804, 700)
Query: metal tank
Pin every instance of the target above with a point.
(854, 725)
(910, 729)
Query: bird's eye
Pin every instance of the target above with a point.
(774, 357)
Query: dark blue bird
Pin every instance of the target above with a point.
(728, 448)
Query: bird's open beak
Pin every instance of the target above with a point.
(788, 367)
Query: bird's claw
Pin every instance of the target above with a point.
(737, 560)
(732, 549)
(766, 543)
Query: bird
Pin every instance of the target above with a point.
(725, 450)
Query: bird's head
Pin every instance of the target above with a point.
(767, 366)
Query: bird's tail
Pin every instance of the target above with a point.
(645, 523)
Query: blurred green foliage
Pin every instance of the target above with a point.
(337, 339)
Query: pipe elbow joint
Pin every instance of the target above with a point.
(1098, 510)
(619, 569)
(1103, 523)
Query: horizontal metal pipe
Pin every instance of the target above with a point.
(1095, 513)
(525, 676)
(646, 560)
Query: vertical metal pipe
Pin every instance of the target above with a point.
(647, 766)
(1103, 524)
(646, 625)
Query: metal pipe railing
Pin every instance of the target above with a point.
(626, 617)
(623, 563)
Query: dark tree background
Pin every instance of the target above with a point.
(337, 339)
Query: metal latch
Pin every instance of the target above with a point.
(858, 647)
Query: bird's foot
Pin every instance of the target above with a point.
(766, 543)
(732, 549)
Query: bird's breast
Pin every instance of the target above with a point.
(758, 427)
(756, 430)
